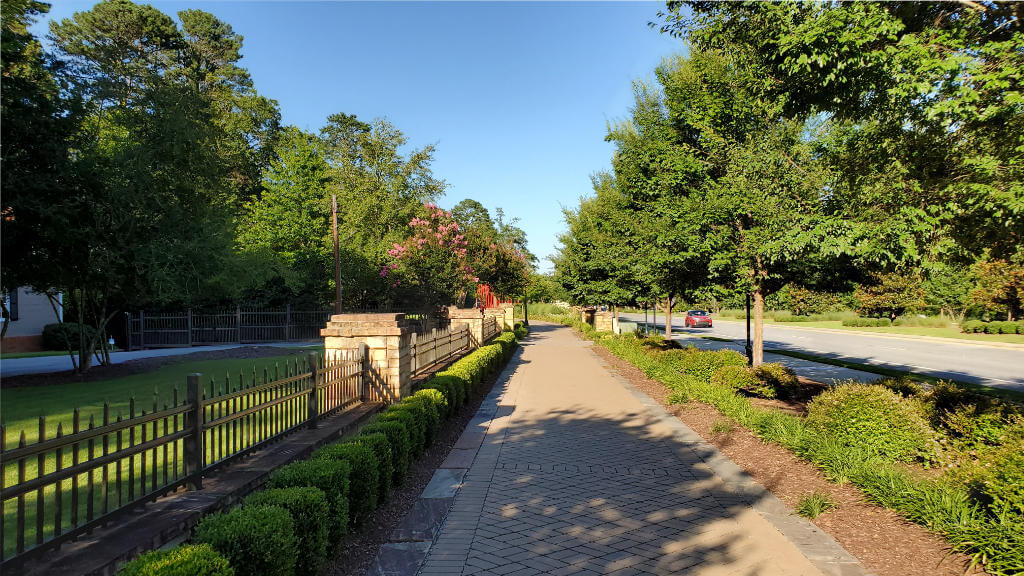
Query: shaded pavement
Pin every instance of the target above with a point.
(570, 470)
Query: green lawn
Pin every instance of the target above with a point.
(948, 332)
(22, 406)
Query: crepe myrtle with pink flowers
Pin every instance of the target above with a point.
(432, 266)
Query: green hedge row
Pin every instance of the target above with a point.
(997, 327)
(308, 507)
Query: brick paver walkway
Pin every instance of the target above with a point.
(576, 476)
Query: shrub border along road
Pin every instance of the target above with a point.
(352, 471)
(944, 507)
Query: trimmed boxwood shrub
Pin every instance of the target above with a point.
(874, 418)
(742, 378)
(427, 410)
(311, 515)
(436, 398)
(447, 395)
(520, 330)
(256, 540)
(363, 477)
(454, 388)
(58, 336)
(381, 447)
(415, 424)
(781, 379)
(189, 560)
(330, 477)
(398, 438)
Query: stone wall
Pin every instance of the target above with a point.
(387, 338)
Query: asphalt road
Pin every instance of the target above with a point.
(975, 363)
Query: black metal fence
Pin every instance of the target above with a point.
(238, 326)
(67, 483)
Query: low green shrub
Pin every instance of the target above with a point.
(448, 397)
(188, 560)
(420, 425)
(925, 322)
(427, 411)
(61, 336)
(256, 540)
(741, 378)
(363, 477)
(1001, 478)
(398, 438)
(969, 418)
(520, 330)
(874, 418)
(453, 387)
(381, 447)
(780, 379)
(311, 514)
(406, 419)
(702, 364)
(331, 477)
(903, 385)
(972, 326)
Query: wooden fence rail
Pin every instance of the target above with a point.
(62, 486)
(438, 346)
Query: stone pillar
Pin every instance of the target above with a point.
(388, 337)
(605, 321)
(499, 316)
(510, 315)
(474, 318)
(587, 316)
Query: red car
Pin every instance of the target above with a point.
(698, 319)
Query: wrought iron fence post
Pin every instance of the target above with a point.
(313, 414)
(189, 327)
(364, 378)
(194, 449)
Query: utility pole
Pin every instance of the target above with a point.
(337, 254)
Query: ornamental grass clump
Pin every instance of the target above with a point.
(873, 418)
(310, 513)
(190, 560)
(702, 364)
(256, 540)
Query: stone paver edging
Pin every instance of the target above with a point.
(409, 543)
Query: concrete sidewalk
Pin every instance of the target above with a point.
(568, 469)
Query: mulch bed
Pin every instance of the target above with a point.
(141, 365)
(885, 542)
(354, 556)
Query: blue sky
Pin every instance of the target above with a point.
(516, 96)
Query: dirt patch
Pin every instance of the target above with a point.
(885, 542)
(354, 556)
(143, 365)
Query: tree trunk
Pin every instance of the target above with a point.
(668, 318)
(758, 314)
